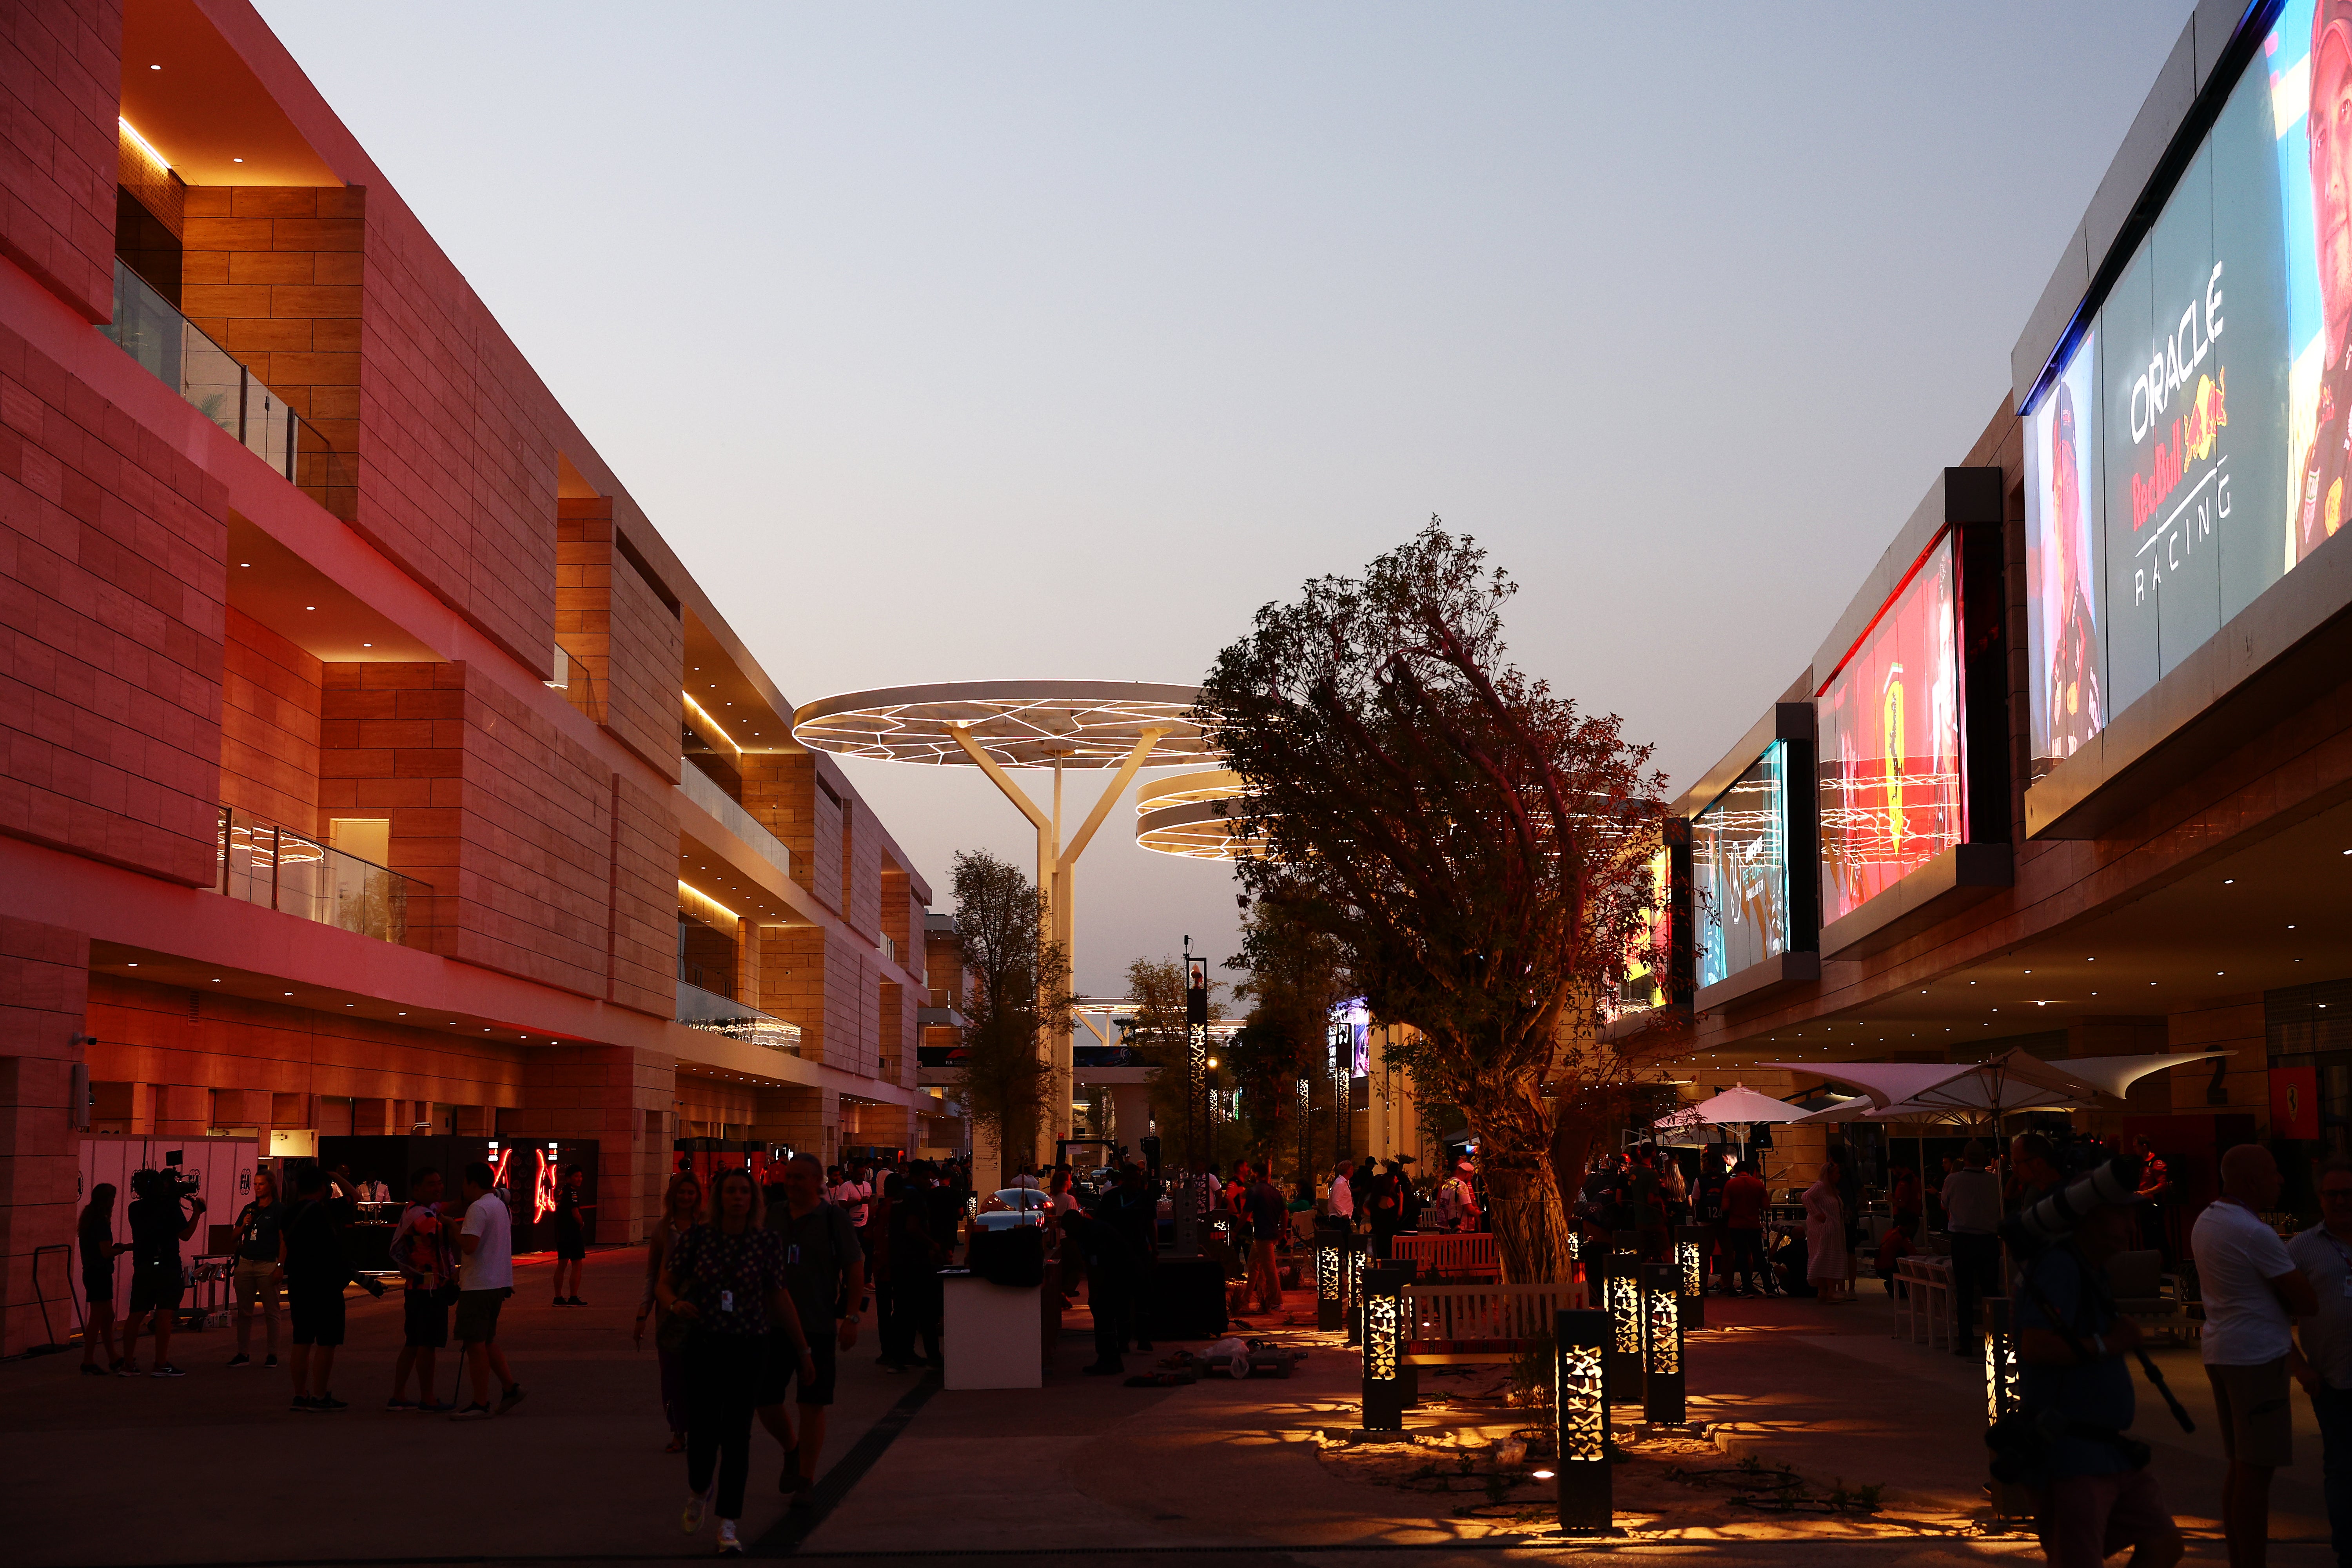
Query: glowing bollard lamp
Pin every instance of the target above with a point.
(1662, 1345)
(1622, 1300)
(1330, 1278)
(2011, 1500)
(1692, 1245)
(1580, 1475)
(1354, 1272)
(1384, 1341)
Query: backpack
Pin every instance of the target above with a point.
(1447, 1209)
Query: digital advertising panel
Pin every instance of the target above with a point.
(2193, 448)
(1889, 743)
(1739, 870)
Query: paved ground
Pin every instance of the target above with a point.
(212, 1469)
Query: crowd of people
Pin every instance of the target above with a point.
(291, 1259)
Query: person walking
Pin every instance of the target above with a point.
(824, 1269)
(484, 1280)
(1342, 1201)
(158, 1225)
(257, 1277)
(2095, 1494)
(1132, 1211)
(1825, 1248)
(2252, 1293)
(726, 1279)
(1269, 1217)
(2322, 1362)
(94, 1236)
(1743, 1227)
(427, 1264)
(316, 1269)
(572, 1234)
(681, 1211)
(1972, 1210)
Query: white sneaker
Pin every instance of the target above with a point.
(728, 1545)
(690, 1519)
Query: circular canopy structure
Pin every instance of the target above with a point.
(1186, 816)
(1018, 723)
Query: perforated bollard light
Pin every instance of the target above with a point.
(1384, 1339)
(2000, 1372)
(1662, 1345)
(1692, 1243)
(1581, 1475)
(1621, 1298)
(1330, 1278)
(1355, 1269)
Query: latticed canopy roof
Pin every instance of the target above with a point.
(1019, 723)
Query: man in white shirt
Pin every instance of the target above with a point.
(2252, 1293)
(485, 1279)
(851, 1194)
(1972, 1197)
(2323, 1362)
(1343, 1202)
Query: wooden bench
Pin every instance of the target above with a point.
(1448, 1255)
(1925, 1301)
(1460, 1325)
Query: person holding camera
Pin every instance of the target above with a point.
(2093, 1494)
(317, 1269)
(2323, 1361)
(257, 1277)
(158, 1225)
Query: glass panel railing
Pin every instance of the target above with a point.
(151, 330)
(295, 874)
(701, 1009)
(703, 790)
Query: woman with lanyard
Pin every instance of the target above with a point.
(726, 1279)
(681, 1206)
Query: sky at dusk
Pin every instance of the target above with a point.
(953, 341)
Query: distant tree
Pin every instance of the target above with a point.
(1476, 846)
(1018, 999)
(1295, 975)
(1160, 1037)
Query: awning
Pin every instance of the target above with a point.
(2014, 1080)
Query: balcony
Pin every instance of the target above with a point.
(703, 790)
(701, 1009)
(147, 328)
(293, 873)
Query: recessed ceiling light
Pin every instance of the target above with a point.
(367, 645)
(237, 160)
(245, 563)
(154, 68)
(289, 994)
(310, 607)
(132, 966)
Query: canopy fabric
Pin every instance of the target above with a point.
(1862, 1108)
(1736, 1106)
(2014, 1081)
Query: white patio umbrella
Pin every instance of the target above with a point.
(1739, 1107)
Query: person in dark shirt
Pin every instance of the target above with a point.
(257, 1277)
(1707, 1205)
(2095, 1495)
(571, 1235)
(1269, 1217)
(315, 1269)
(158, 1225)
(824, 1269)
(1131, 1208)
(1110, 1286)
(94, 1236)
(727, 1277)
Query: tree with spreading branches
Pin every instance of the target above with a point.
(1019, 997)
(1477, 846)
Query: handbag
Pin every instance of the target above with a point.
(671, 1331)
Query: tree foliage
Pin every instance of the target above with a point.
(1019, 998)
(1160, 1037)
(1295, 975)
(1476, 846)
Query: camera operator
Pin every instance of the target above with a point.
(2095, 1495)
(158, 1225)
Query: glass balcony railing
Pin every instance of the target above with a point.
(701, 1009)
(295, 874)
(703, 790)
(147, 328)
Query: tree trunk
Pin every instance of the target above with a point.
(1514, 1126)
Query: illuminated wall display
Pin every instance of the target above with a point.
(1586, 1495)
(1890, 744)
(2192, 446)
(1739, 870)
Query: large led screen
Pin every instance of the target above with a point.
(1739, 870)
(1890, 744)
(2195, 445)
